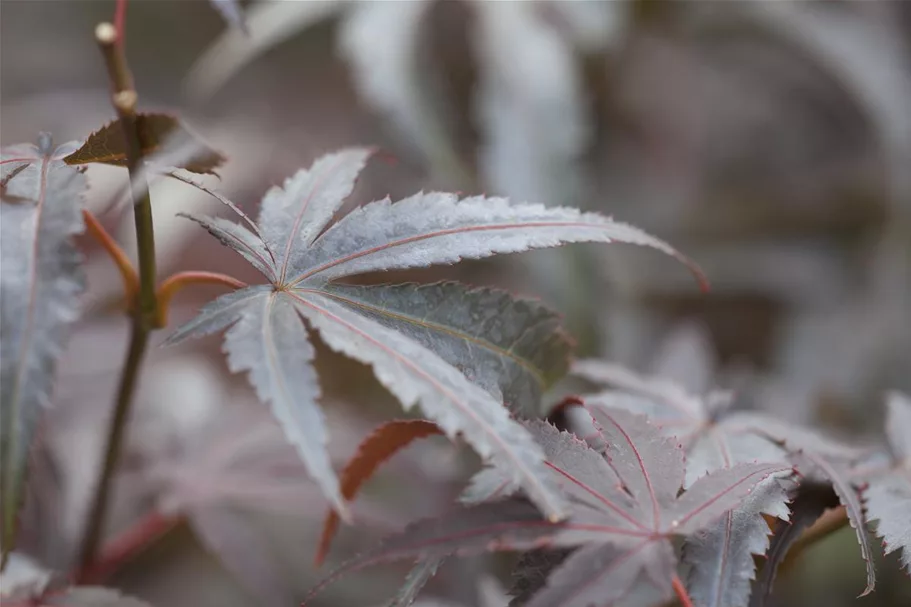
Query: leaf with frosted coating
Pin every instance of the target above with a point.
(809, 503)
(603, 574)
(887, 496)
(415, 581)
(40, 282)
(157, 133)
(626, 506)
(438, 228)
(418, 376)
(270, 343)
(818, 468)
(422, 344)
(512, 347)
(721, 557)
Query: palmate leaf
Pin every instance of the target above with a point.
(887, 496)
(626, 505)
(40, 282)
(301, 255)
(721, 557)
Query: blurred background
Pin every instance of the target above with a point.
(769, 141)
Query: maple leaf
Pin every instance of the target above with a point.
(714, 438)
(40, 282)
(293, 245)
(626, 505)
(887, 495)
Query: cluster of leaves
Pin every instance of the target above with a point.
(622, 482)
(458, 351)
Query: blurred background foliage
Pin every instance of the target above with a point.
(769, 141)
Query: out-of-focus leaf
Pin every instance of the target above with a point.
(818, 468)
(40, 282)
(626, 506)
(810, 501)
(887, 496)
(156, 133)
(416, 579)
(232, 12)
(25, 584)
(229, 536)
(380, 445)
(305, 257)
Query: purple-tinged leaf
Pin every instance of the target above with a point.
(271, 343)
(721, 556)
(438, 228)
(418, 376)
(415, 581)
(40, 283)
(666, 398)
(503, 525)
(603, 574)
(793, 437)
(300, 256)
(887, 496)
(718, 492)
(234, 236)
(816, 468)
(650, 466)
(292, 216)
(512, 347)
(158, 134)
(807, 506)
(887, 499)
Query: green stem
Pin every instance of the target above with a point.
(144, 318)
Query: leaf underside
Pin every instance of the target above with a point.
(40, 283)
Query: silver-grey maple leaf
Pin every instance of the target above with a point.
(300, 254)
(721, 557)
(40, 282)
(887, 496)
(512, 347)
(625, 504)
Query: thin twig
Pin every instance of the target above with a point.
(176, 282)
(144, 318)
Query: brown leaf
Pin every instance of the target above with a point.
(156, 133)
(384, 442)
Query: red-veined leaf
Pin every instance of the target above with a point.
(384, 442)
